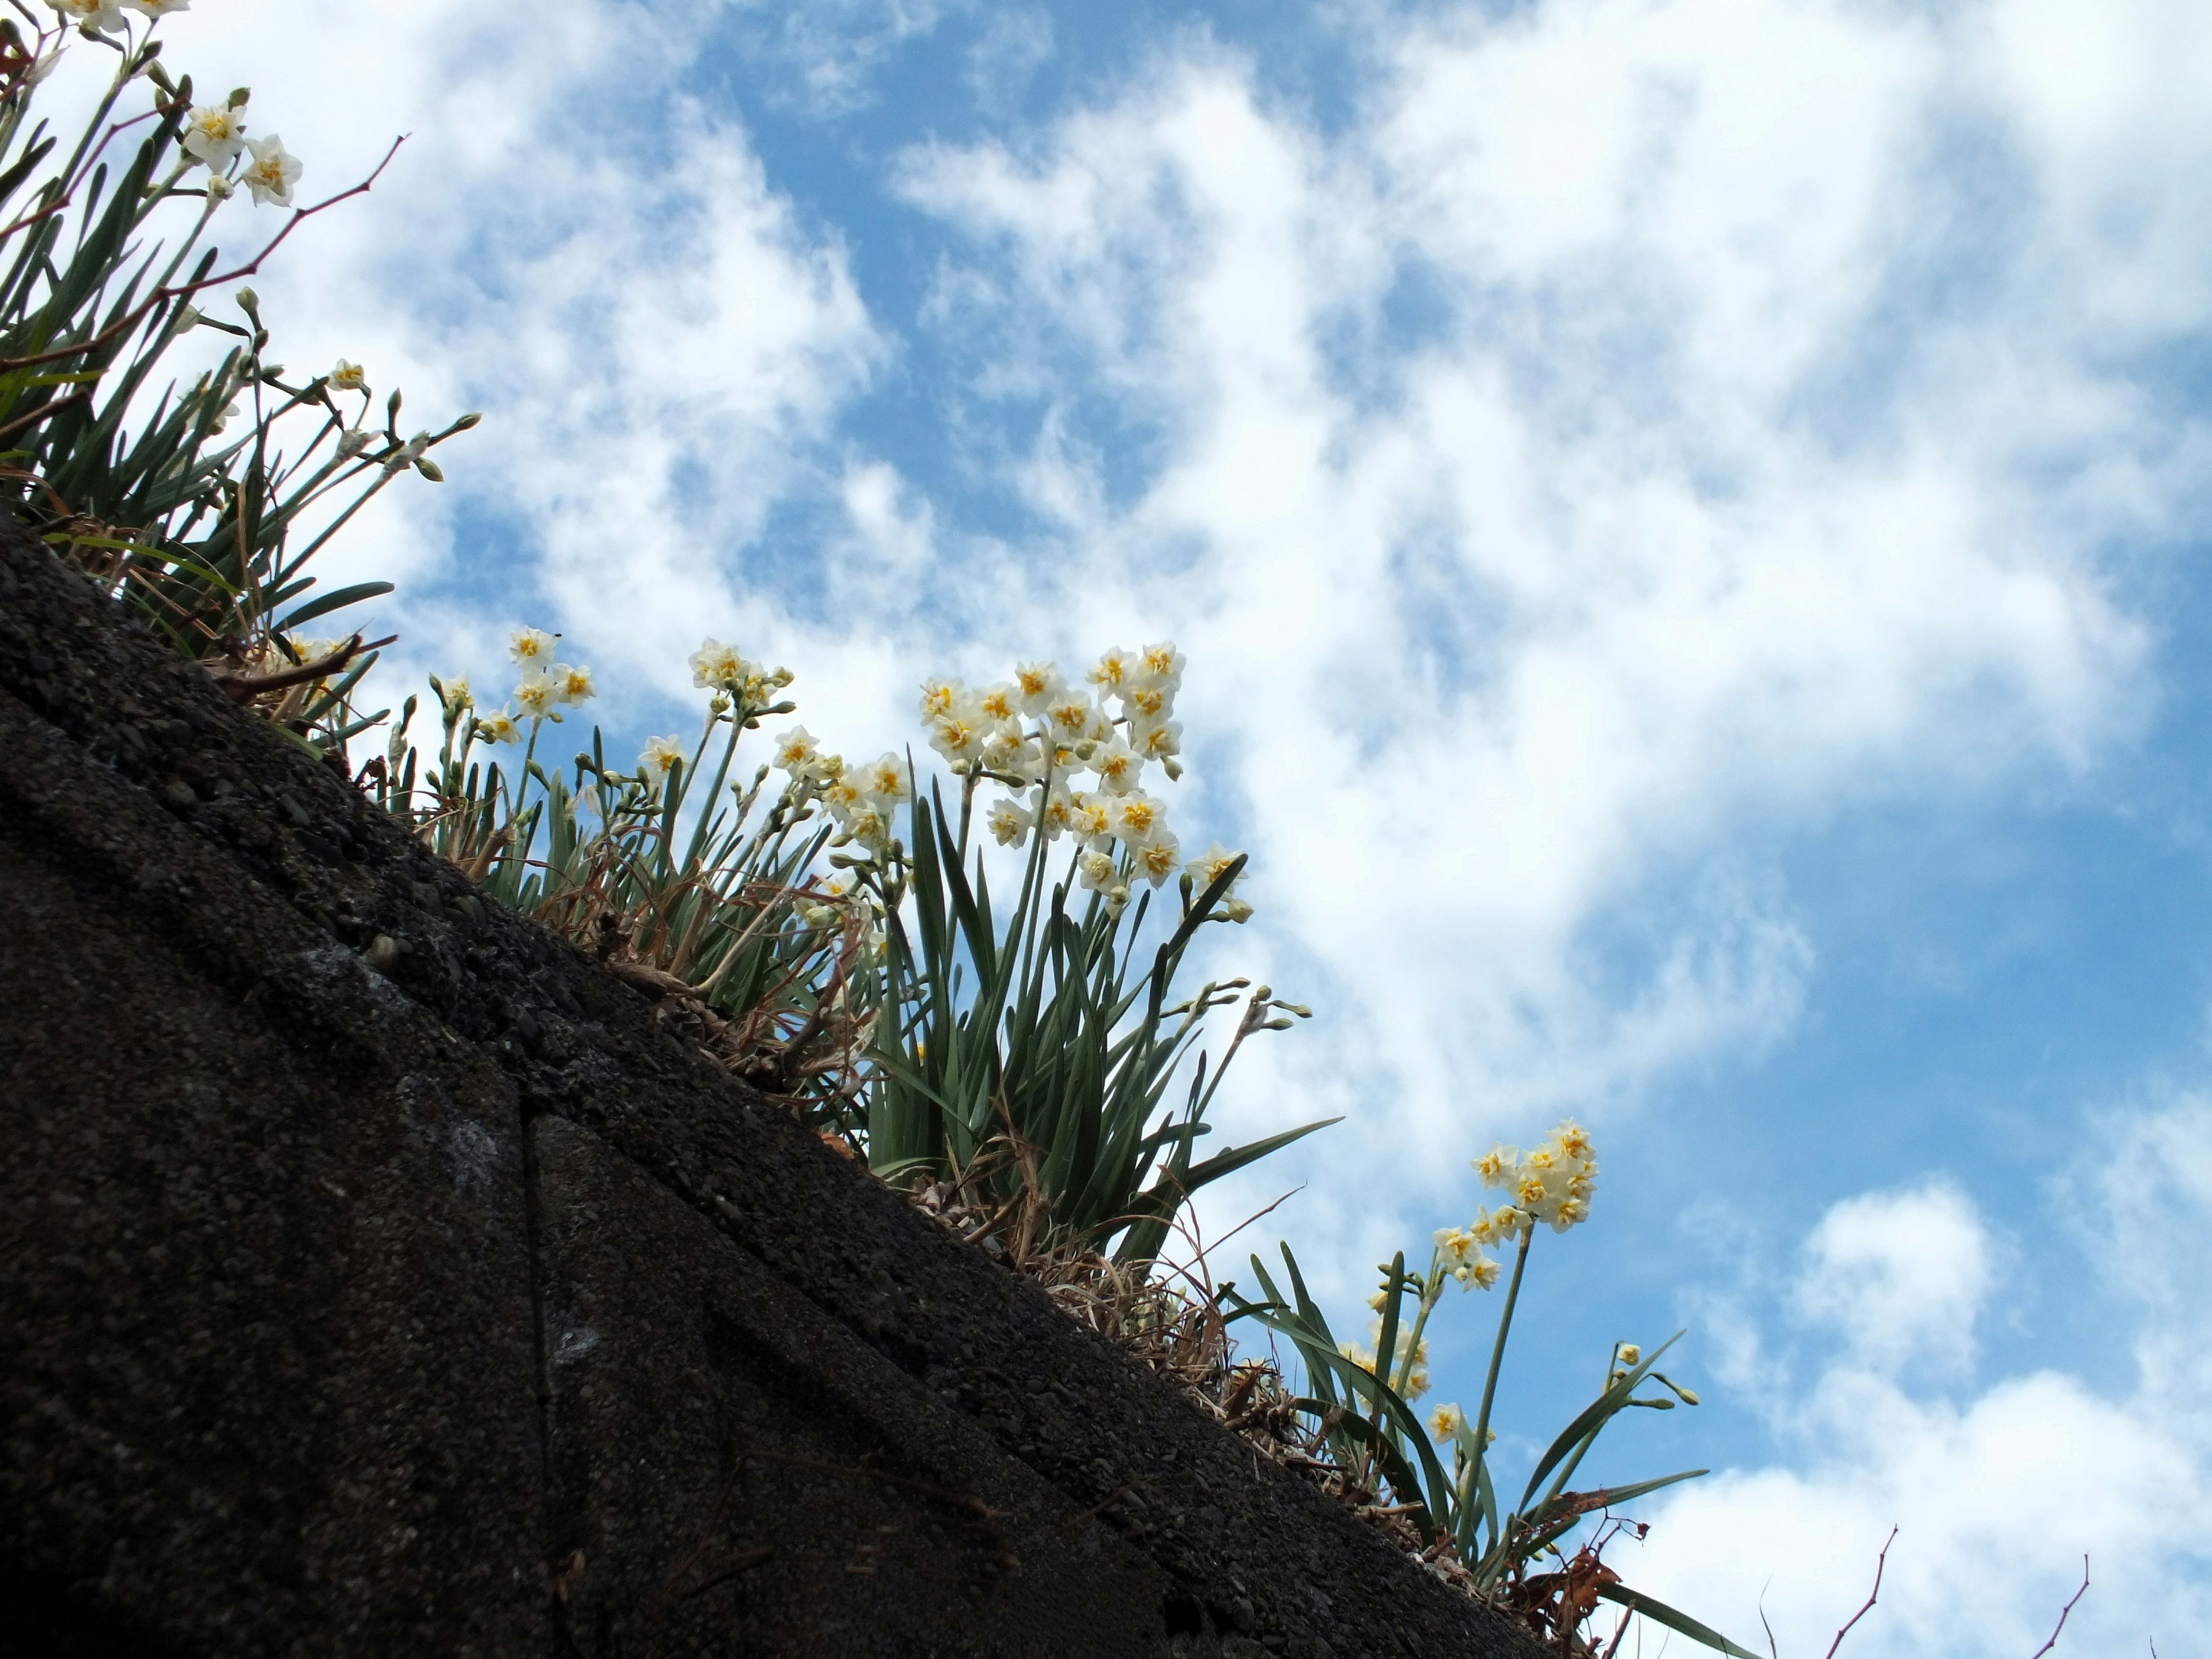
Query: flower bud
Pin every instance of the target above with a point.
(250, 303)
(429, 469)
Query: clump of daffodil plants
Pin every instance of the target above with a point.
(1359, 1407)
(829, 927)
(199, 506)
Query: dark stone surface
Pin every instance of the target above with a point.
(459, 1307)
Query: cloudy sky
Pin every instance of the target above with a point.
(1686, 519)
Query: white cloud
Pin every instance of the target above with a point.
(1998, 1490)
(1900, 1276)
(660, 346)
(1673, 518)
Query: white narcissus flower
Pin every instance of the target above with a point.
(1479, 1274)
(1210, 866)
(885, 780)
(1096, 871)
(1148, 705)
(1115, 669)
(349, 377)
(354, 442)
(1007, 751)
(272, 171)
(941, 697)
(498, 726)
(456, 692)
(869, 825)
(1156, 740)
(1445, 1422)
(532, 646)
(1008, 823)
(99, 15)
(1156, 859)
(998, 703)
(214, 134)
(958, 735)
(1056, 811)
(1035, 685)
(1454, 1245)
(716, 664)
(538, 697)
(1160, 667)
(1069, 716)
(658, 755)
(573, 685)
(796, 751)
(1117, 764)
(1139, 819)
(1496, 1166)
(1090, 817)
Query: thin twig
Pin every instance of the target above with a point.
(1879, 1561)
(2068, 1608)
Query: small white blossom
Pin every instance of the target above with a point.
(886, 781)
(1154, 860)
(1091, 819)
(99, 15)
(1070, 716)
(658, 755)
(714, 664)
(1008, 823)
(1115, 669)
(797, 753)
(1210, 866)
(1155, 741)
(538, 697)
(354, 440)
(1096, 871)
(348, 377)
(573, 685)
(1148, 705)
(1037, 684)
(272, 171)
(1139, 819)
(498, 727)
(532, 646)
(1008, 751)
(959, 734)
(1160, 667)
(998, 703)
(941, 697)
(1117, 764)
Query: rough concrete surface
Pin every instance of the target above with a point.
(464, 1310)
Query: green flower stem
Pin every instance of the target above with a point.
(1498, 1348)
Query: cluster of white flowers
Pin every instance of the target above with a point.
(101, 16)
(1417, 1378)
(546, 687)
(1551, 1183)
(1073, 757)
(734, 681)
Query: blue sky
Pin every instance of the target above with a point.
(1687, 519)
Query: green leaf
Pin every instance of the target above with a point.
(336, 600)
(1659, 1612)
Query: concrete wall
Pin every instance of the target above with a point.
(459, 1309)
